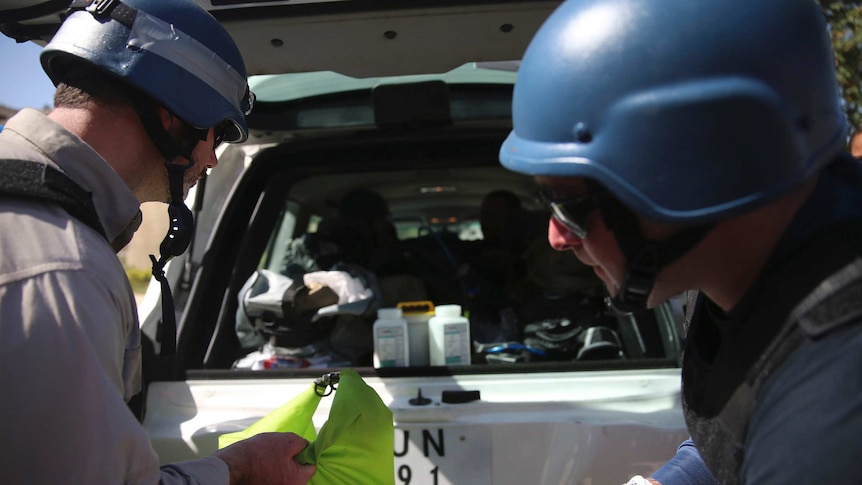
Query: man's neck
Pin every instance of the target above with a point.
(737, 251)
(116, 134)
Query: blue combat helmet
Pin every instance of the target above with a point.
(172, 50)
(687, 111)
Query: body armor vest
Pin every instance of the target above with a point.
(801, 298)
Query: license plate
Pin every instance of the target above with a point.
(445, 455)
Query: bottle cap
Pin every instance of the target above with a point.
(448, 310)
(389, 313)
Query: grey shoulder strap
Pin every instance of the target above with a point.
(26, 179)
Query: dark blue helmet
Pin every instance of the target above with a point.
(172, 50)
(687, 111)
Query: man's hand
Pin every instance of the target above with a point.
(267, 458)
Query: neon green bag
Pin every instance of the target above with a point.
(355, 446)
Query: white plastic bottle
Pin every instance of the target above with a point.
(391, 346)
(417, 314)
(449, 336)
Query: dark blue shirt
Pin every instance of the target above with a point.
(807, 425)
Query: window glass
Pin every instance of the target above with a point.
(526, 303)
(468, 230)
(281, 236)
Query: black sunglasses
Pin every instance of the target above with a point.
(219, 132)
(573, 212)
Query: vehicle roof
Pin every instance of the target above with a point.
(358, 38)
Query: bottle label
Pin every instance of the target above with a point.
(456, 344)
(390, 346)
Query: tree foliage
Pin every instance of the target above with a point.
(845, 19)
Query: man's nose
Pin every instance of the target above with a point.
(212, 160)
(560, 237)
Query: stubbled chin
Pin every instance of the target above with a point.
(188, 186)
(612, 287)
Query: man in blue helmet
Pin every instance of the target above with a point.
(146, 89)
(699, 146)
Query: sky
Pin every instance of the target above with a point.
(23, 83)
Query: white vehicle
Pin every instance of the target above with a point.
(412, 100)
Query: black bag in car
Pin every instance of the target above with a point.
(562, 339)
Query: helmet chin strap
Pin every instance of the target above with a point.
(644, 259)
(176, 241)
(181, 227)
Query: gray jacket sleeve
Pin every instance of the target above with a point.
(204, 471)
(64, 363)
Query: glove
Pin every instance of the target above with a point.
(639, 480)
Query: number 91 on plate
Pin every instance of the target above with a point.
(446, 455)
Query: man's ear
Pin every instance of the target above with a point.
(165, 117)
